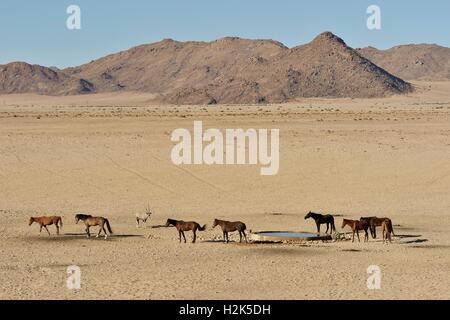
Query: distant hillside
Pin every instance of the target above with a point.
(412, 62)
(21, 77)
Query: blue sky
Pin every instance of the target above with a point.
(35, 31)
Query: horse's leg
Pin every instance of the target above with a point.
(88, 232)
(328, 224)
(228, 236)
(224, 236)
(240, 236)
(195, 235)
(184, 237)
(353, 235)
(137, 222)
(47, 230)
(318, 227)
(100, 230)
(57, 230)
(357, 233)
(40, 229)
(245, 236)
(179, 235)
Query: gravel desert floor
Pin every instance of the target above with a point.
(109, 155)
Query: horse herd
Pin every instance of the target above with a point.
(363, 224)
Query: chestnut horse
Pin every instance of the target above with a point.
(91, 221)
(228, 226)
(376, 222)
(47, 221)
(357, 225)
(322, 219)
(185, 226)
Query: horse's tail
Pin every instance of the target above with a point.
(108, 225)
(391, 227)
(200, 228)
(333, 227)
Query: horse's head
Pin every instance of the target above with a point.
(215, 223)
(308, 215)
(344, 223)
(77, 218)
(169, 222)
(31, 221)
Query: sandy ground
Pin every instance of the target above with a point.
(106, 156)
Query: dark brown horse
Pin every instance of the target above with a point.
(376, 222)
(47, 221)
(322, 219)
(357, 225)
(91, 221)
(228, 226)
(183, 226)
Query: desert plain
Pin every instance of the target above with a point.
(109, 155)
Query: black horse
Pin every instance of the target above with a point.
(322, 219)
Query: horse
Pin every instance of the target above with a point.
(386, 230)
(357, 225)
(47, 221)
(228, 226)
(143, 217)
(376, 222)
(91, 221)
(322, 219)
(183, 226)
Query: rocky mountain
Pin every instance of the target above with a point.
(229, 70)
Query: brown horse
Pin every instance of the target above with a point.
(91, 221)
(357, 225)
(185, 226)
(47, 221)
(386, 229)
(322, 219)
(376, 222)
(228, 226)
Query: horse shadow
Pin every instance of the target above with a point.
(416, 241)
(79, 236)
(229, 242)
(402, 236)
